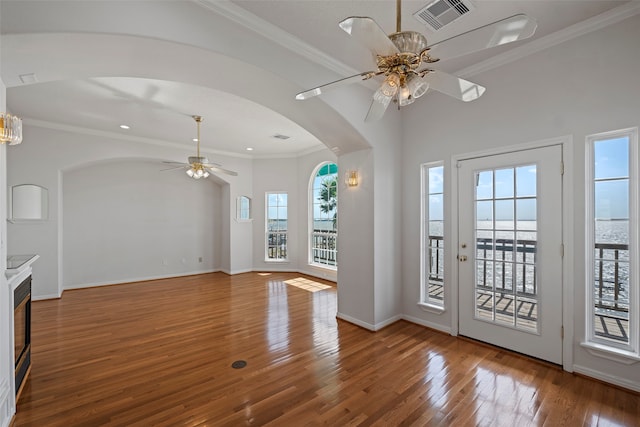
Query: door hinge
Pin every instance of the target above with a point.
(562, 332)
(562, 250)
(561, 168)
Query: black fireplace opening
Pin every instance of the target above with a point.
(22, 331)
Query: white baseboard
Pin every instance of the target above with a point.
(387, 322)
(366, 325)
(612, 379)
(319, 275)
(231, 273)
(355, 321)
(44, 297)
(139, 279)
(436, 326)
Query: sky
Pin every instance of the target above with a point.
(514, 189)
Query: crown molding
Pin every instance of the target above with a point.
(113, 135)
(295, 155)
(610, 17)
(275, 34)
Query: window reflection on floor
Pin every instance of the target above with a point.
(307, 285)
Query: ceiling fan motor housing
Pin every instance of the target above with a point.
(196, 159)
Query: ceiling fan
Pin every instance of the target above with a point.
(199, 166)
(403, 59)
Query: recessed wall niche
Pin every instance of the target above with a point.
(28, 202)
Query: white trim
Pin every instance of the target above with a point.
(310, 215)
(266, 229)
(43, 124)
(611, 353)
(568, 286)
(612, 379)
(566, 142)
(587, 26)
(369, 326)
(601, 347)
(355, 321)
(431, 308)
(425, 302)
(431, 325)
(139, 279)
(45, 297)
(121, 137)
(277, 35)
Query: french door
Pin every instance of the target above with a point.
(510, 251)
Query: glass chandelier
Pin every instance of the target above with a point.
(10, 129)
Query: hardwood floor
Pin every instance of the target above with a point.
(160, 353)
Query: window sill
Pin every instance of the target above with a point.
(431, 308)
(323, 267)
(277, 261)
(611, 353)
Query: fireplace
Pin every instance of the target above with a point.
(22, 332)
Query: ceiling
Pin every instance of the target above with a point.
(161, 109)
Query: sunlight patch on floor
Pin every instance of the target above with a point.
(307, 285)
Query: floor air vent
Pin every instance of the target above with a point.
(439, 13)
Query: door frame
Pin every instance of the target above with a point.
(566, 143)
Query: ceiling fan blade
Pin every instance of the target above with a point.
(174, 163)
(517, 27)
(215, 169)
(173, 168)
(456, 87)
(321, 89)
(367, 31)
(211, 165)
(376, 110)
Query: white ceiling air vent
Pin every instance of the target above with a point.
(439, 13)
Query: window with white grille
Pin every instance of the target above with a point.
(432, 235)
(276, 227)
(612, 241)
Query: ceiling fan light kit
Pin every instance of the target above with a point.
(400, 56)
(199, 166)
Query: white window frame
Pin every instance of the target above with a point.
(267, 232)
(627, 353)
(310, 227)
(426, 303)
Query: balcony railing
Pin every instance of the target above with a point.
(324, 247)
(611, 289)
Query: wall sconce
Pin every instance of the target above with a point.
(10, 129)
(351, 178)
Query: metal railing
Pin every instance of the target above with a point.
(324, 247)
(610, 289)
(277, 245)
(527, 250)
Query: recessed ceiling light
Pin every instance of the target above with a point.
(249, 149)
(195, 139)
(125, 127)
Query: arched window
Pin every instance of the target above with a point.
(323, 221)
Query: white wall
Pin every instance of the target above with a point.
(127, 220)
(583, 86)
(51, 152)
(290, 175)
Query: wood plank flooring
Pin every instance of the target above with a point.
(160, 353)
